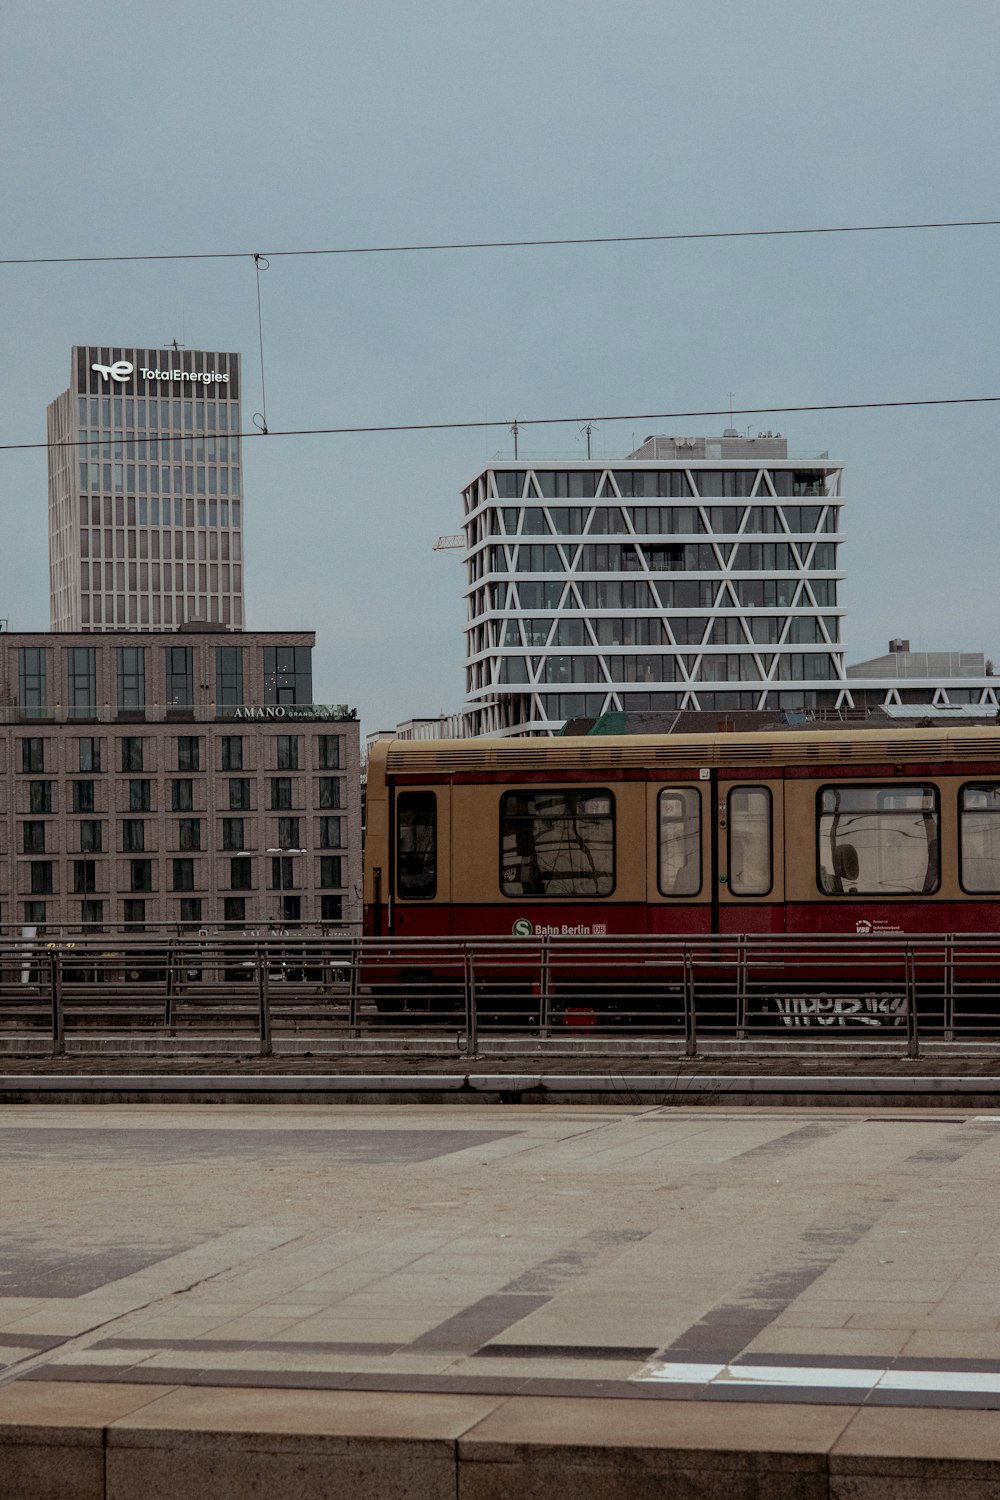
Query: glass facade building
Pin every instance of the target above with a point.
(145, 491)
(696, 574)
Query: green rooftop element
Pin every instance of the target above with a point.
(615, 721)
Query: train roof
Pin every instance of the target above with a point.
(778, 748)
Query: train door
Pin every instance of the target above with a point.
(749, 855)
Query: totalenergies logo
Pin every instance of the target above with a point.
(120, 370)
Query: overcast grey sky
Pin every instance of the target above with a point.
(217, 125)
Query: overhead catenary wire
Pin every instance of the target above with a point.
(481, 423)
(525, 244)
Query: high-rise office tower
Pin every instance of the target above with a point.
(145, 492)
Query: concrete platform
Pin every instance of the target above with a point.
(396, 1300)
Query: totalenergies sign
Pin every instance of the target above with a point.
(122, 370)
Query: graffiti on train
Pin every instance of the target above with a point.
(872, 1009)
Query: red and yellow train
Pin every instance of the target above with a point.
(803, 831)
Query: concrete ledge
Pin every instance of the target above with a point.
(450, 1044)
(727, 1089)
(106, 1442)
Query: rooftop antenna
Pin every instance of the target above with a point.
(175, 345)
(588, 429)
(515, 429)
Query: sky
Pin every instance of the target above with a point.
(230, 125)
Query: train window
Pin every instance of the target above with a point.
(679, 841)
(557, 843)
(979, 838)
(416, 846)
(750, 862)
(878, 840)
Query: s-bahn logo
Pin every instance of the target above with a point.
(120, 370)
(522, 928)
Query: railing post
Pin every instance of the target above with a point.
(264, 999)
(690, 1022)
(742, 981)
(471, 1012)
(948, 1018)
(545, 990)
(354, 1003)
(58, 1018)
(168, 997)
(912, 1038)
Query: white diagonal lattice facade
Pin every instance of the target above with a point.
(695, 582)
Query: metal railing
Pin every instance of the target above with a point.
(890, 991)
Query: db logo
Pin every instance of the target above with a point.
(522, 928)
(120, 370)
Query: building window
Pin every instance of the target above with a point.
(40, 796)
(41, 877)
(287, 674)
(878, 840)
(33, 838)
(241, 874)
(232, 833)
(90, 836)
(132, 750)
(329, 752)
(83, 796)
(330, 836)
(281, 791)
(139, 799)
(282, 872)
(90, 754)
(81, 673)
(33, 755)
(232, 752)
(183, 873)
(188, 758)
(32, 674)
(189, 830)
(329, 791)
(131, 678)
(229, 677)
(288, 833)
(330, 872)
(190, 911)
(331, 908)
(234, 910)
(133, 835)
(91, 913)
(134, 913)
(180, 677)
(84, 876)
(34, 913)
(181, 796)
(142, 874)
(556, 843)
(288, 752)
(291, 908)
(239, 794)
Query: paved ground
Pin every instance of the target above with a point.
(645, 1253)
(417, 1303)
